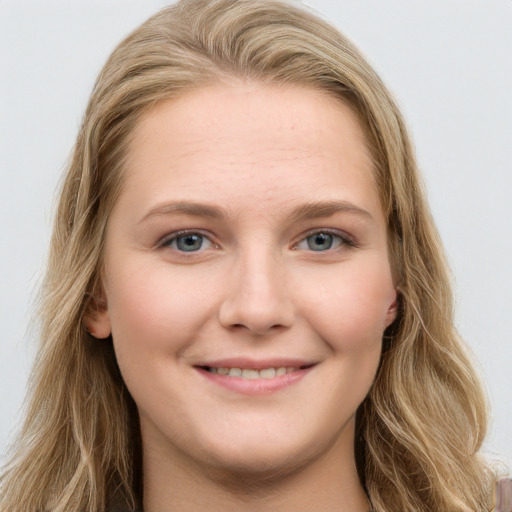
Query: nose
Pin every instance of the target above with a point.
(256, 297)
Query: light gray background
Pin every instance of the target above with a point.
(448, 62)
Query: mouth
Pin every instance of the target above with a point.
(255, 378)
(254, 373)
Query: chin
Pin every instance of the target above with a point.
(256, 470)
(265, 461)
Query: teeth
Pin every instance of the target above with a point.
(267, 373)
(250, 373)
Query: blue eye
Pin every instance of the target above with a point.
(321, 241)
(188, 242)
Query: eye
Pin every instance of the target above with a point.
(187, 242)
(322, 241)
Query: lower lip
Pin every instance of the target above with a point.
(255, 386)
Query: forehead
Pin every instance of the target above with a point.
(252, 111)
(259, 139)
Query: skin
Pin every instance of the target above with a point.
(267, 169)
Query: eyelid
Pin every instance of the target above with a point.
(169, 237)
(347, 240)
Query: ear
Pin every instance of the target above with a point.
(392, 309)
(96, 318)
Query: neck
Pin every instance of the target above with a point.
(327, 483)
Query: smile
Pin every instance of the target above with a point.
(254, 378)
(251, 373)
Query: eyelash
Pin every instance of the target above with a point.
(167, 240)
(344, 239)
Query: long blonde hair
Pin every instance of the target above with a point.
(421, 426)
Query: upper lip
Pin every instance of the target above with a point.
(257, 364)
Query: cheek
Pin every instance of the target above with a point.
(155, 314)
(350, 308)
(155, 309)
(351, 318)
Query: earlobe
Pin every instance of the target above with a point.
(96, 319)
(392, 310)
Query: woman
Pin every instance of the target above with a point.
(246, 305)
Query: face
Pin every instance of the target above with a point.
(247, 283)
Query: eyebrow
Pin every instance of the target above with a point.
(326, 209)
(312, 210)
(184, 207)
